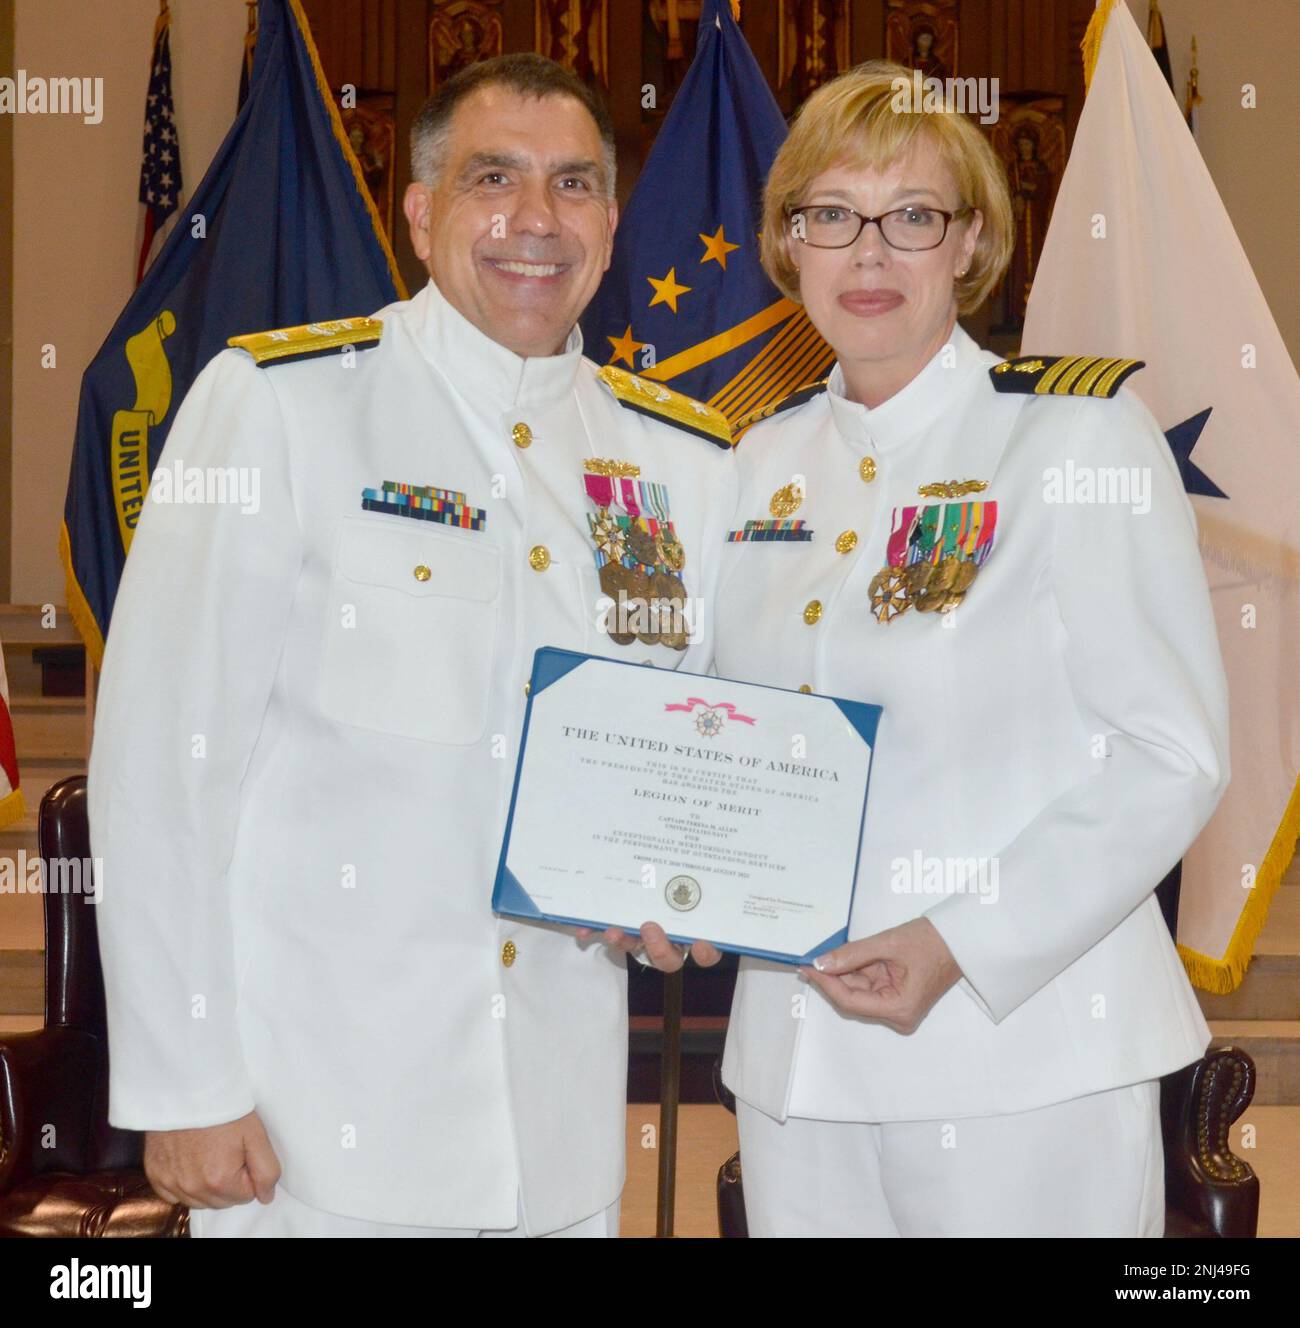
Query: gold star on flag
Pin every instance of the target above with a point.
(624, 347)
(667, 290)
(717, 247)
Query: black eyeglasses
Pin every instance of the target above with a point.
(834, 226)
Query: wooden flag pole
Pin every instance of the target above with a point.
(670, 1082)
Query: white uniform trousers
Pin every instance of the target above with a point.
(287, 1216)
(1092, 1166)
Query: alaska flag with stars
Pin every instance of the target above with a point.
(685, 301)
(281, 231)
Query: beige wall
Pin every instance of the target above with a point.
(75, 218)
(1253, 155)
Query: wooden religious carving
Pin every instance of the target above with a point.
(1029, 138)
(813, 37)
(922, 34)
(462, 32)
(371, 132)
(575, 33)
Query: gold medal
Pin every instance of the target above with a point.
(637, 583)
(889, 594)
(609, 536)
(945, 574)
(625, 610)
(917, 577)
(966, 573)
(613, 578)
(668, 597)
(635, 604)
(641, 545)
(665, 586)
(670, 550)
(786, 500)
(641, 616)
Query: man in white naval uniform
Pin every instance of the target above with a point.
(309, 719)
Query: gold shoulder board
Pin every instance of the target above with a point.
(650, 398)
(1063, 375)
(301, 343)
(788, 402)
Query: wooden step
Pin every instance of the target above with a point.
(22, 626)
(22, 981)
(1274, 1045)
(50, 729)
(23, 673)
(1271, 987)
(37, 778)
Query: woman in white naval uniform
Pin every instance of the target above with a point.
(982, 1056)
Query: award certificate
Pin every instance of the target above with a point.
(724, 811)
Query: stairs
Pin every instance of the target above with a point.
(1262, 1016)
(53, 740)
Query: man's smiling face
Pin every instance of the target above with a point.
(517, 230)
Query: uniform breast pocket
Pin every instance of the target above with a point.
(411, 631)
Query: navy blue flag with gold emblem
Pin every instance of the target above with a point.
(280, 232)
(685, 301)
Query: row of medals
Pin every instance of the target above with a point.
(930, 587)
(656, 598)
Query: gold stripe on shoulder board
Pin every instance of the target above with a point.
(791, 399)
(308, 339)
(641, 394)
(1064, 375)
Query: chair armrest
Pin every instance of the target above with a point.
(47, 1091)
(1204, 1179)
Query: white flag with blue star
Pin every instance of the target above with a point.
(1141, 260)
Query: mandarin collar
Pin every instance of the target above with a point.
(914, 407)
(484, 368)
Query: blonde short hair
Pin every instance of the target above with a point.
(853, 121)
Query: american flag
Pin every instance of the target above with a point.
(160, 168)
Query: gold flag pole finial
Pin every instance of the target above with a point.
(1194, 97)
(1091, 44)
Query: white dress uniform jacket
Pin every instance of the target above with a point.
(304, 747)
(1067, 724)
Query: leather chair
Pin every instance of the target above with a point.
(1209, 1191)
(64, 1171)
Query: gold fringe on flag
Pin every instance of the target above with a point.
(1223, 976)
(1091, 44)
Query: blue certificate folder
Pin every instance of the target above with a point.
(511, 897)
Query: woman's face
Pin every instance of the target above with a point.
(879, 307)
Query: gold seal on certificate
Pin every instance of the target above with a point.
(651, 795)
